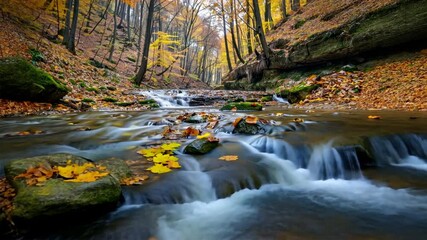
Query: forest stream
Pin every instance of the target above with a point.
(299, 180)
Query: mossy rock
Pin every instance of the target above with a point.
(117, 168)
(195, 119)
(20, 80)
(250, 129)
(124, 104)
(297, 93)
(243, 106)
(56, 198)
(200, 146)
(267, 98)
(93, 89)
(147, 101)
(109, 99)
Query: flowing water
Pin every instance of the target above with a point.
(307, 180)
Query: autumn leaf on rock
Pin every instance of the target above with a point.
(88, 177)
(159, 168)
(206, 135)
(174, 164)
(251, 119)
(236, 121)
(164, 158)
(171, 146)
(190, 132)
(229, 158)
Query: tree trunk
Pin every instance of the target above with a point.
(113, 41)
(145, 52)
(248, 22)
(233, 37)
(283, 8)
(260, 32)
(227, 52)
(267, 15)
(295, 5)
(70, 44)
(66, 34)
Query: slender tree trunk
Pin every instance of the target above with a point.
(260, 31)
(128, 22)
(233, 37)
(71, 42)
(295, 5)
(68, 4)
(145, 52)
(268, 18)
(113, 41)
(227, 51)
(139, 36)
(283, 8)
(248, 22)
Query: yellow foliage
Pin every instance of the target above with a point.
(229, 158)
(160, 158)
(150, 152)
(159, 168)
(90, 176)
(171, 146)
(206, 135)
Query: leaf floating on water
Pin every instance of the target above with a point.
(159, 168)
(251, 120)
(174, 164)
(136, 180)
(206, 135)
(229, 158)
(171, 146)
(374, 117)
(150, 152)
(164, 158)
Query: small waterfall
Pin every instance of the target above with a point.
(280, 100)
(405, 150)
(168, 99)
(322, 161)
(177, 187)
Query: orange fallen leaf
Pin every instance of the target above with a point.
(233, 109)
(212, 125)
(251, 119)
(374, 117)
(190, 131)
(237, 121)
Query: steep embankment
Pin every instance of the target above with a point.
(312, 45)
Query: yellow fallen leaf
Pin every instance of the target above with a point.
(174, 164)
(229, 158)
(206, 135)
(374, 117)
(171, 146)
(159, 168)
(164, 158)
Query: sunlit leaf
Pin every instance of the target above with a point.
(374, 117)
(170, 146)
(164, 158)
(236, 121)
(159, 168)
(174, 164)
(229, 158)
(251, 119)
(206, 135)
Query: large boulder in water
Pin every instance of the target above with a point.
(20, 80)
(55, 198)
(250, 125)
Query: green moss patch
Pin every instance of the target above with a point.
(20, 80)
(124, 104)
(243, 106)
(109, 99)
(297, 93)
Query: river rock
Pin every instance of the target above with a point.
(195, 119)
(242, 106)
(200, 146)
(117, 168)
(20, 80)
(57, 198)
(251, 129)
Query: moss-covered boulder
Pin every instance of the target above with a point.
(200, 146)
(195, 119)
(56, 198)
(243, 127)
(20, 80)
(117, 168)
(297, 93)
(242, 106)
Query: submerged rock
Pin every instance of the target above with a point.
(55, 197)
(297, 93)
(200, 146)
(22, 81)
(195, 119)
